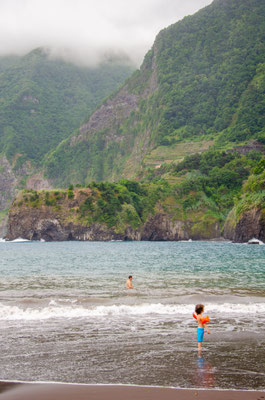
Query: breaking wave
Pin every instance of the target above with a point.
(53, 310)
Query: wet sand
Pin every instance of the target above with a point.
(48, 391)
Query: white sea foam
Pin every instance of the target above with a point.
(53, 310)
(20, 240)
(255, 241)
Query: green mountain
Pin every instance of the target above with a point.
(43, 100)
(190, 125)
(201, 85)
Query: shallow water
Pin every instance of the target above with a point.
(66, 315)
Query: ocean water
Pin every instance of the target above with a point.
(66, 315)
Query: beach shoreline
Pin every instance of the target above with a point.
(16, 390)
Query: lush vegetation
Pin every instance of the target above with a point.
(211, 70)
(204, 79)
(203, 82)
(116, 205)
(253, 193)
(43, 100)
(208, 186)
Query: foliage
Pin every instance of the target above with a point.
(211, 184)
(118, 205)
(70, 194)
(253, 195)
(209, 68)
(127, 201)
(213, 180)
(43, 100)
(203, 79)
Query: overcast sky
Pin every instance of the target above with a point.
(84, 30)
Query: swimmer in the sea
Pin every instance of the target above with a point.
(129, 282)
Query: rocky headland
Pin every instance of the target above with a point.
(51, 215)
(60, 216)
(251, 224)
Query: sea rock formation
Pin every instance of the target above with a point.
(251, 224)
(49, 225)
(44, 224)
(35, 216)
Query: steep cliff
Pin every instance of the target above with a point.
(84, 214)
(251, 224)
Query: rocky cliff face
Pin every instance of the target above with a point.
(50, 225)
(114, 141)
(62, 222)
(250, 225)
(45, 224)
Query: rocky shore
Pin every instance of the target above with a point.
(251, 224)
(52, 216)
(44, 224)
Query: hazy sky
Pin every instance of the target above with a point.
(84, 30)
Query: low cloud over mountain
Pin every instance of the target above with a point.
(85, 31)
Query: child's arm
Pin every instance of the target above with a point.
(208, 330)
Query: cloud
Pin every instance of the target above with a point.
(85, 30)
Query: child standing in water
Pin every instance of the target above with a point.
(199, 309)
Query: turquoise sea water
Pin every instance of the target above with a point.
(66, 315)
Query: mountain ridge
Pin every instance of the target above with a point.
(189, 88)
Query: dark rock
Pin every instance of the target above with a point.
(251, 224)
(63, 222)
(161, 227)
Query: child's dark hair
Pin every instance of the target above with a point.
(199, 308)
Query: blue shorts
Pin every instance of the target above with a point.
(200, 333)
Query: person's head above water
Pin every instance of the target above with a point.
(199, 308)
(130, 277)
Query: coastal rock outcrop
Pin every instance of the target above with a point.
(161, 227)
(49, 226)
(251, 224)
(46, 225)
(64, 215)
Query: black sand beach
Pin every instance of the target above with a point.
(66, 317)
(47, 391)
